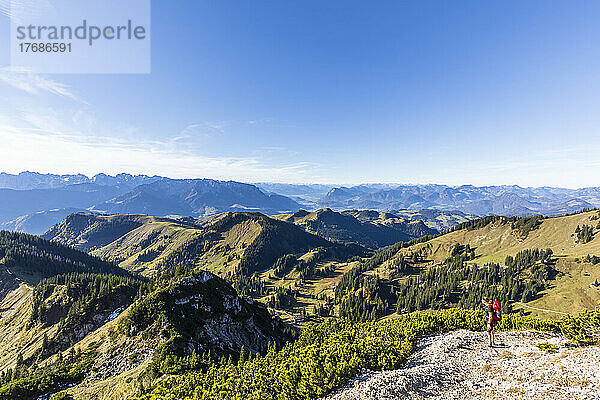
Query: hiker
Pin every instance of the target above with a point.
(491, 318)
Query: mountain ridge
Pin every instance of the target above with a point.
(345, 227)
(224, 244)
(85, 320)
(29, 201)
(506, 200)
(33, 202)
(196, 197)
(34, 180)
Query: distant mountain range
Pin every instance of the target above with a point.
(33, 202)
(34, 180)
(195, 197)
(501, 200)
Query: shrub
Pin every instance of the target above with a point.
(547, 347)
(327, 355)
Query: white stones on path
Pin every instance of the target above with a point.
(460, 366)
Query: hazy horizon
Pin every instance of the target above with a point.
(473, 93)
(333, 184)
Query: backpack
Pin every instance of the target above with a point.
(497, 315)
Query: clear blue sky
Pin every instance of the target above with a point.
(465, 92)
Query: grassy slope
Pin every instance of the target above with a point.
(571, 291)
(307, 291)
(124, 385)
(167, 237)
(120, 387)
(158, 233)
(88, 231)
(495, 241)
(218, 248)
(17, 337)
(14, 331)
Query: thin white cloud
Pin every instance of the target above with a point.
(32, 83)
(259, 121)
(5, 8)
(18, 9)
(48, 145)
(205, 129)
(54, 142)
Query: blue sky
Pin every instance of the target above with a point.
(462, 92)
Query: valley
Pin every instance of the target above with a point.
(143, 298)
(230, 245)
(276, 200)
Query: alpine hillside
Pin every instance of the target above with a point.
(227, 244)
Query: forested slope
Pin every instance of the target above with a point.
(492, 256)
(179, 321)
(228, 244)
(31, 258)
(367, 228)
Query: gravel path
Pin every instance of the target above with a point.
(460, 365)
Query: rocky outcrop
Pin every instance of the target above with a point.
(460, 365)
(8, 281)
(203, 313)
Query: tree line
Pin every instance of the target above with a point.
(42, 257)
(455, 282)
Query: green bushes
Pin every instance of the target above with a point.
(585, 233)
(44, 258)
(524, 225)
(592, 259)
(325, 356)
(29, 383)
(583, 328)
(455, 282)
(547, 347)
